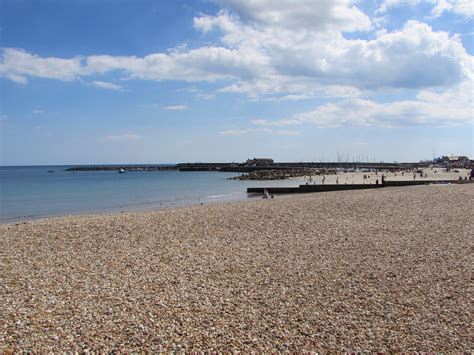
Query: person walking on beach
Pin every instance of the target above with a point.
(324, 179)
(337, 180)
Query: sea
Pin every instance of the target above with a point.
(29, 192)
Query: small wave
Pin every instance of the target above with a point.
(223, 195)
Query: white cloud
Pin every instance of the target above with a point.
(39, 112)
(303, 63)
(306, 15)
(201, 64)
(126, 137)
(17, 65)
(205, 96)
(389, 4)
(464, 8)
(452, 107)
(288, 98)
(106, 85)
(280, 50)
(176, 107)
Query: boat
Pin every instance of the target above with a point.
(121, 171)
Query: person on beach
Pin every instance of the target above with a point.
(337, 180)
(383, 179)
(324, 179)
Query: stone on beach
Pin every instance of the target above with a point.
(381, 269)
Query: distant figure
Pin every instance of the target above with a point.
(272, 195)
(383, 179)
(403, 173)
(471, 175)
(377, 182)
(414, 176)
(337, 180)
(324, 179)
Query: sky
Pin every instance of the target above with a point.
(155, 81)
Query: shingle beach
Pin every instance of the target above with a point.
(385, 269)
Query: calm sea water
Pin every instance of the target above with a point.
(32, 192)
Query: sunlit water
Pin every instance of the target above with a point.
(32, 192)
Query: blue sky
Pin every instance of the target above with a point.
(176, 81)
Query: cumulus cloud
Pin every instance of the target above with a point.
(126, 137)
(321, 15)
(452, 107)
(464, 8)
(280, 50)
(297, 63)
(388, 4)
(17, 65)
(176, 107)
(106, 85)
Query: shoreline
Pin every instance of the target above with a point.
(145, 207)
(344, 178)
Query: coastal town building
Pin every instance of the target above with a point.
(454, 161)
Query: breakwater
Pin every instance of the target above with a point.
(123, 167)
(246, 168)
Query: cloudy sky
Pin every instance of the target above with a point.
(153, 81)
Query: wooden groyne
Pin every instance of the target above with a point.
(342, 187)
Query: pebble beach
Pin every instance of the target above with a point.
(382, 270)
